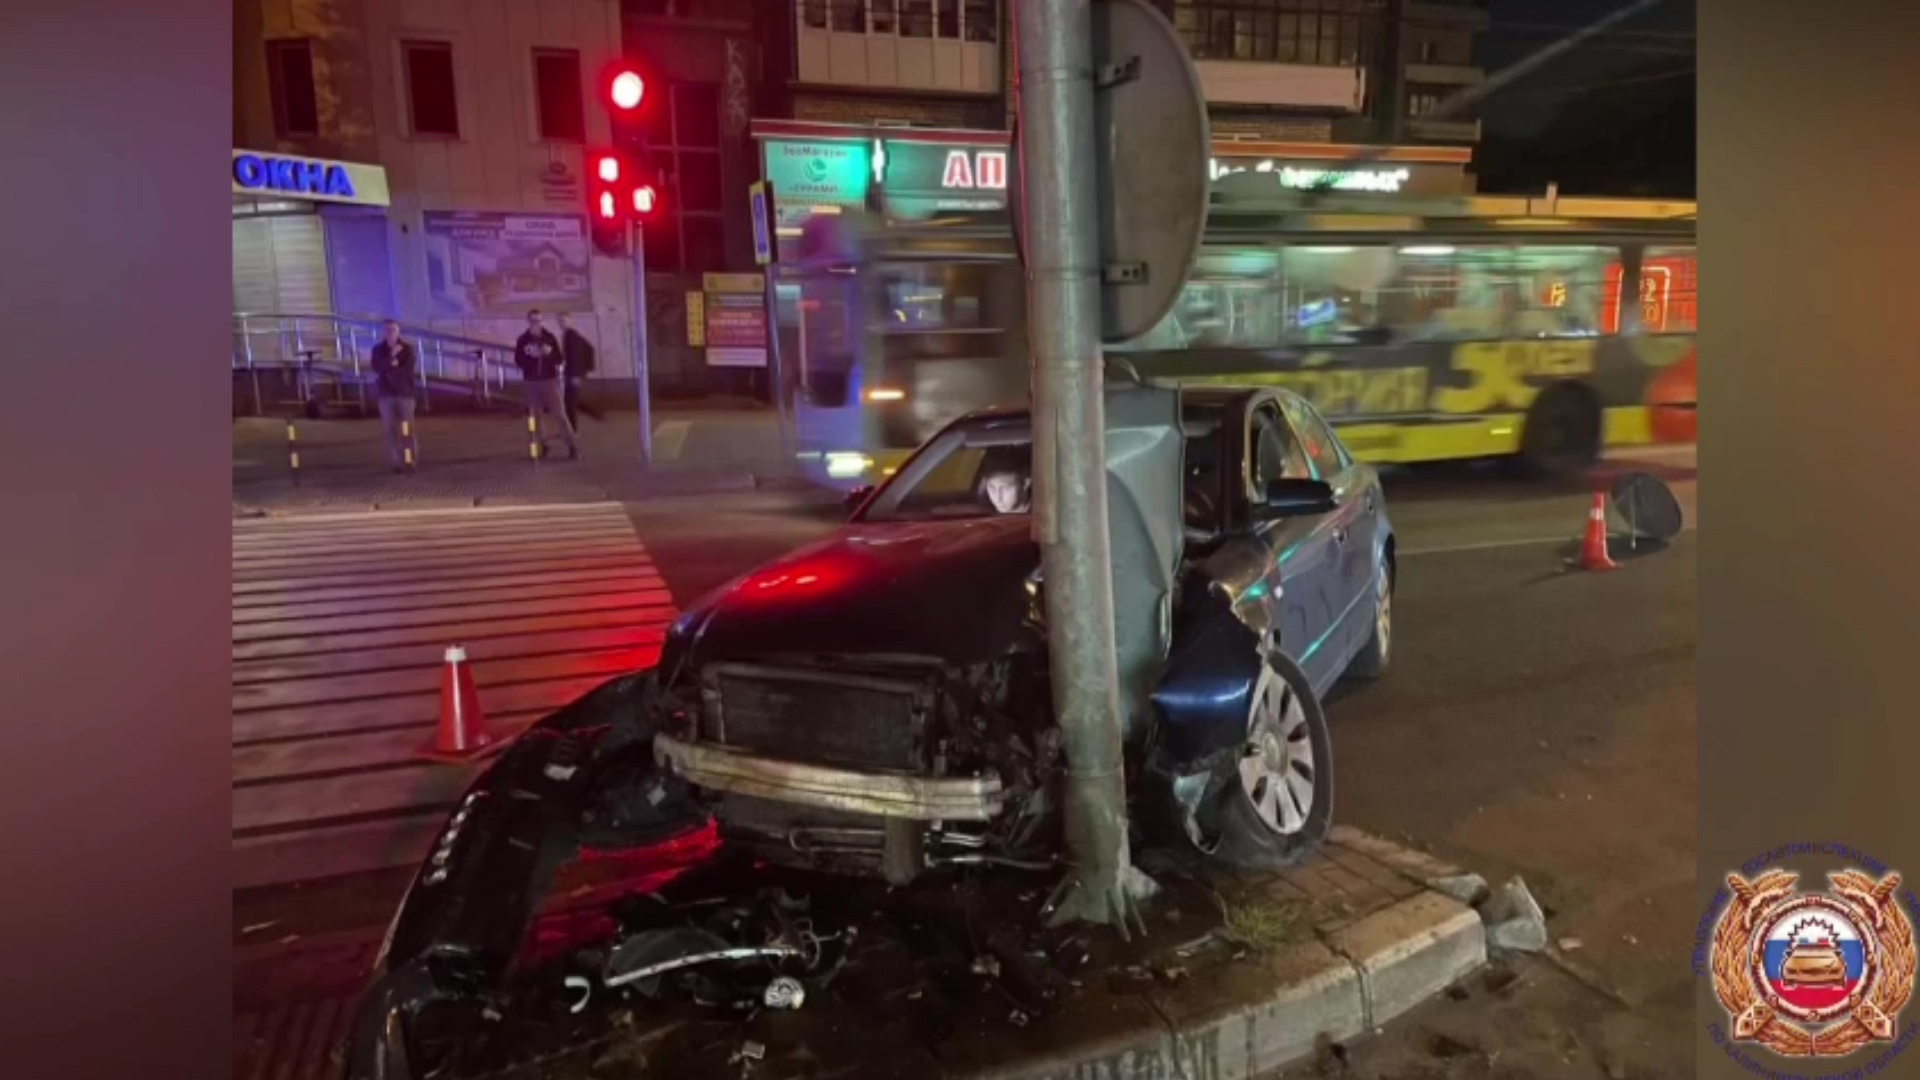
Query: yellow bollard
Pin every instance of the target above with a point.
(533, 437)
(406, 443)
(293, 450)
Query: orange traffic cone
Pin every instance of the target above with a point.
(1593, 546)
(462, 735)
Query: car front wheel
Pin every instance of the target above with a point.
(1278, 806)
(1371, 661)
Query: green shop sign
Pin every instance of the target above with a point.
(921, 179)
(805, 175)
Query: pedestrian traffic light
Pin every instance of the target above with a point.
(607, 177)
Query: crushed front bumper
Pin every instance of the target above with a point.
(719, 768)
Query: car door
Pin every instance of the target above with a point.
(1352, 526)
(1306, 557)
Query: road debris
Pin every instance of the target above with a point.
(1514, 919)
(784, 992)
(986, 965)
(1570, 944)
(1469, 889)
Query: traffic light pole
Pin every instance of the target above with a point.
(642, 369)
(1054, 46)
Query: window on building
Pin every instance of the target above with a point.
(883, 16)
(849, 16)
(432, 100)
(982, 20)
(814, 14)
(1329, 32)
(558, 94)
(948, 21)
(687, 234)
(296, 106)
(1424, 103)
(916, 18)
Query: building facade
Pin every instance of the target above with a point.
(1354, 71)
(476, 115)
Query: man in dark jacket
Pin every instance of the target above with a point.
(542, 366)
(394, 365)
(579, 353)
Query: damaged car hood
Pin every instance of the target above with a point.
(956, 590)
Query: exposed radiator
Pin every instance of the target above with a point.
(813, 717)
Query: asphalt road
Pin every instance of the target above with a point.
(1535, 721)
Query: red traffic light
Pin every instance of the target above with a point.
(643, 199)
(626, 89)
(608, 207)
(607, 168)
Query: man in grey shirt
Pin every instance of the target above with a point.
(395, 364)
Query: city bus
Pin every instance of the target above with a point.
(1543, 331)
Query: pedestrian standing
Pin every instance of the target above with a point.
(543, 365)
(580, 362)
(395, 364)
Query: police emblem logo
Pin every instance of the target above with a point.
(1813, 974)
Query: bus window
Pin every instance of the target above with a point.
(1563, 289)
(1332, 293)
(829, 335)
(1228, 302)
(1441, 292)
(1669, 297)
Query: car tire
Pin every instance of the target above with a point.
(1262, 826)
(1371, 661)
(1562, 434)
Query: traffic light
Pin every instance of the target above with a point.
(607, 177)
(621, 190)
(626, 91)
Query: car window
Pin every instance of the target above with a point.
(969, 481)
(1318, 441)
(1275, 453)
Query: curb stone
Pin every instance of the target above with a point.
(1262, 1015)
(1412, 951)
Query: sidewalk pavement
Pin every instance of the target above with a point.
(468, 460)
(1367, 935)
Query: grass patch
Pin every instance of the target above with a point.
(1260, 923)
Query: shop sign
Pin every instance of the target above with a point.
(308, 178)
(805, 175)
(921, 179)
(1300, 178)
(736, 320)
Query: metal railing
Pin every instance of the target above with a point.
(328, 357)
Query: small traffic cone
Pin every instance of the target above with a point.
(1593, 546)
(462, 734)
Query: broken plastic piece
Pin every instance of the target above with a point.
(579, 983)
(753, 1051)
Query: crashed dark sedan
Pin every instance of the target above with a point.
(878, 703)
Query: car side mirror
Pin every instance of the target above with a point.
(855, 498)
(1295, 498)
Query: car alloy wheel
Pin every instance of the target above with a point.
(1277, 763)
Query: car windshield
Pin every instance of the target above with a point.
(988, 472)
(953, 478)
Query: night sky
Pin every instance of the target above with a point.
(1652, 47)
